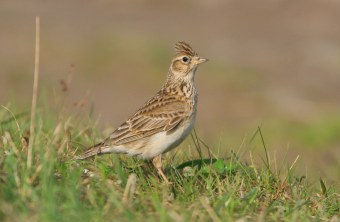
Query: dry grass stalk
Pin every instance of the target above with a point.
(205, 203)
(35, 92)
(130, 189)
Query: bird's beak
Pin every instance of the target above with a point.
(199, 60)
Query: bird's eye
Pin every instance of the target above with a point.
(185, 59)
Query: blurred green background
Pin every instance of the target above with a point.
(273, 63)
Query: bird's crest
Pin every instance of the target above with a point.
(185, 48)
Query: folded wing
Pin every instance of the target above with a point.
(158, 115)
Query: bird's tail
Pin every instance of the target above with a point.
(97, 149)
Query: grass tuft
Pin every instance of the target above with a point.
(119, 188)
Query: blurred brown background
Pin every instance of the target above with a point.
(273, 63)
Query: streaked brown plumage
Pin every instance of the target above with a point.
(164, 121)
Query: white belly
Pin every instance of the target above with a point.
(163, 142)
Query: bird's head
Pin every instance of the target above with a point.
(186, 61)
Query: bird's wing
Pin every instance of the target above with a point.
(157, 115)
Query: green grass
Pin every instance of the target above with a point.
(204, 187)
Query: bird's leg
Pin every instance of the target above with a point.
(157, 163)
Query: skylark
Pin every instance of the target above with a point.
(164, 121)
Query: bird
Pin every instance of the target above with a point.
(164, 121)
